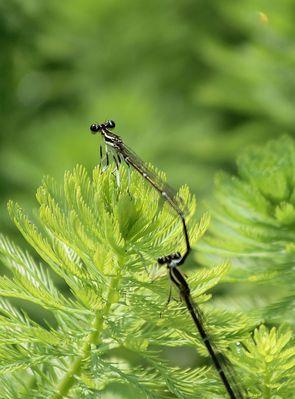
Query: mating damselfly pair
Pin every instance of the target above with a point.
(121, 153)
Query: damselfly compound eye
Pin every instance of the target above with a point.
(94, 128)
(110, 124)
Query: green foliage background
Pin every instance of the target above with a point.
(190, 85)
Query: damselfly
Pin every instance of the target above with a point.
(131, 159)
(176, 259)
(221, 364)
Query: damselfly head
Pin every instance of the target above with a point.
(169, 258)
(95, 127)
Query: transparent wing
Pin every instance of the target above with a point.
(131, 158)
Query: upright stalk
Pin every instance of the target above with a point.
(69, 378)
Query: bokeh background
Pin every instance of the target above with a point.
(189, 83)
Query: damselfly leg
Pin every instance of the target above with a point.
(104, 160)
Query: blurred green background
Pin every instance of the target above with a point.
(189, 83)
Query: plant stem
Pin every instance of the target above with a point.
(70, 377)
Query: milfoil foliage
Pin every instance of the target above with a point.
(101, 236)
(269, 361)
(254, 225)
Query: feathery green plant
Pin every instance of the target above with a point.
(102, 242)
(269, 361)
(107, 335)
(254, 224)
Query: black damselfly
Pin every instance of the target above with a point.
(176, 259)
(131, 159)
(221, 364)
